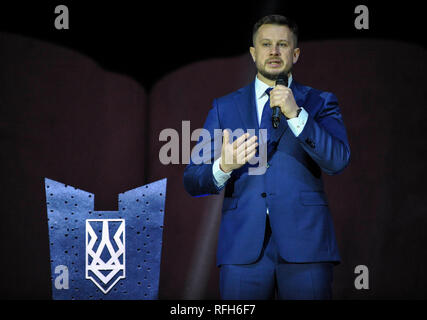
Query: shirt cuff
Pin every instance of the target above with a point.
(220, 177)
(297, 124)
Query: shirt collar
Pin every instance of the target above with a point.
(260, 86)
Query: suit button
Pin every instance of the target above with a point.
(263, 194)
(310, 143)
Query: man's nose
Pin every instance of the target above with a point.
(275, 51)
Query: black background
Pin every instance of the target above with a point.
(146, 40)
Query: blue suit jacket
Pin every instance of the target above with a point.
(291, 187)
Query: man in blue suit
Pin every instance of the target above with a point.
(276, 237)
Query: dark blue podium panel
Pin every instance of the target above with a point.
(105, 254)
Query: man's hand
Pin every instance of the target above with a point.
(235, 155)
(283, 97)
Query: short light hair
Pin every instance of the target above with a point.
(279, 20)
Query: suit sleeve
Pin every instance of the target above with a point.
(198, 178)
(324, 137)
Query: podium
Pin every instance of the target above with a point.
(111, 255)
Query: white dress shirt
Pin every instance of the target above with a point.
(295, 124)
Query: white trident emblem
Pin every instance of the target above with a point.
(104, 262)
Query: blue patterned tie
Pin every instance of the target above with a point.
(266, 123)
(267, 113)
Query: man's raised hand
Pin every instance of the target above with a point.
(235, 155)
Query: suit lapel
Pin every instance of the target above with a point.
(245, 102)
(299, 91)
(278, 132)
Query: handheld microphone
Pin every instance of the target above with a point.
(282, 79)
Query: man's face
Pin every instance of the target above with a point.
(274, 51)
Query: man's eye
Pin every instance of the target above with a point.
(283, 45)
(266, 44)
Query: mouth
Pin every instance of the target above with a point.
(274, 63)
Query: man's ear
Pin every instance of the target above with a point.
(252, 51)
(296, 54)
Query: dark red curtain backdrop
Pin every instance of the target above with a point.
(65, 118)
